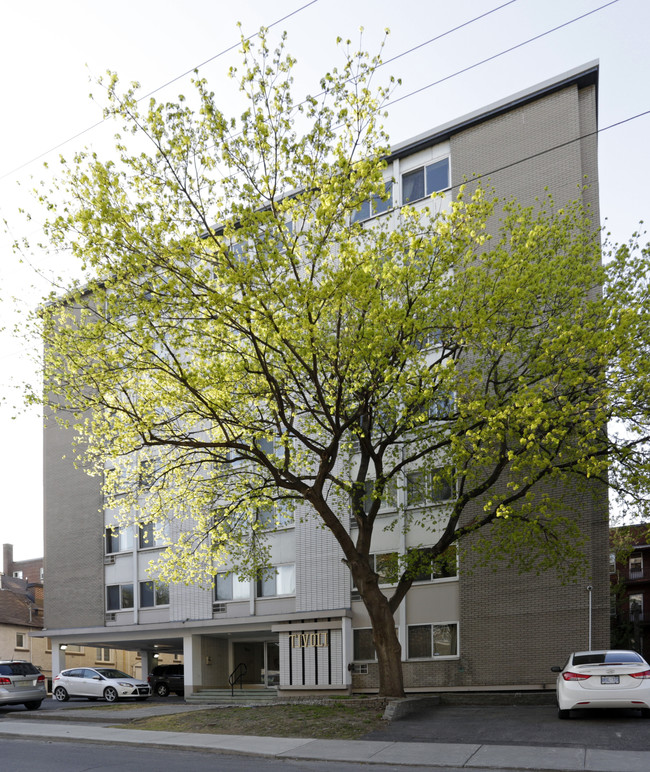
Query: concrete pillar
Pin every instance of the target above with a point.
(58, 658)
(192, 663)
(147, 663)
(347, 647)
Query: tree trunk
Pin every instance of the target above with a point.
(387, 645)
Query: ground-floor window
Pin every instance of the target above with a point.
(119, 596)
(364, 646)
(428, 641)
(103, 654)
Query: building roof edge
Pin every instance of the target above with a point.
(582, 76)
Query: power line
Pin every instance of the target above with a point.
(398, 56)
(555, 147)
(159, 88)
(497, 55)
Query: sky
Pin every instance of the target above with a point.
(51, 54)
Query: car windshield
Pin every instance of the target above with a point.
(606, 657)
(109, 672)
(18, 668)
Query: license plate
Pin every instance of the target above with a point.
(609, 679)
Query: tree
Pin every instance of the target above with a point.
(241, 344)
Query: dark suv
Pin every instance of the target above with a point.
(167, 678)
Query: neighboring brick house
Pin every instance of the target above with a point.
(629, 568)
(31, 570)
(306, 630)
(21, 614)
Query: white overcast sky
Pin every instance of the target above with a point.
(49, 52)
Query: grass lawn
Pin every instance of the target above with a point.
(335, 720)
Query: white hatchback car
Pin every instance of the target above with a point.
(603, 679)
(96, 682)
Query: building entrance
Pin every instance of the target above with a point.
(262, 660)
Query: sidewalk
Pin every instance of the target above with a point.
(446, 755)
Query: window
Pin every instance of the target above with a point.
(386, 564)
(119, 538)
(612, 562)
(227, 586)
(153, 594)
(147, 536)
(427, 487)
(425, 569)
(636, 607)
(17, 574)
(282, 581)
(636, 566)
(424, 181)
(276, 515)
(364, 646)
(389, 498)
(119, 596)
(74, 648)
(21, 640)
(103, 655)
(428, 641)
(375, 205)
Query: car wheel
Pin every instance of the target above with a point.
(563, 713)
(60, 694)
(33, 705)
(162, 690)
(110, 694)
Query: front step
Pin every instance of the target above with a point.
(225, 697)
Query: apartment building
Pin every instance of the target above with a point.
(461, 626)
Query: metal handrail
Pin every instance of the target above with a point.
(237, 676)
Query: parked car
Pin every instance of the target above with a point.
(167, 678)
(96, 682)
(603, 679)
(21, 683)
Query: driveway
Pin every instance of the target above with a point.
(520, 725)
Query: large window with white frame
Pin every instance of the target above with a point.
(428, 487)
(119, 597)
(424, 181)
(228, 586)
(425, 568)
(151, 535)
(432, 640)
(281, 580)
(375, 205)
(119, 538)
(154, 593)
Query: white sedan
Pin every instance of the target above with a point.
(603, 679)
(96, 682)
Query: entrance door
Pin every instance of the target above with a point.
(262, 660)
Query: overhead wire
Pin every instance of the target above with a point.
(159, 88)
